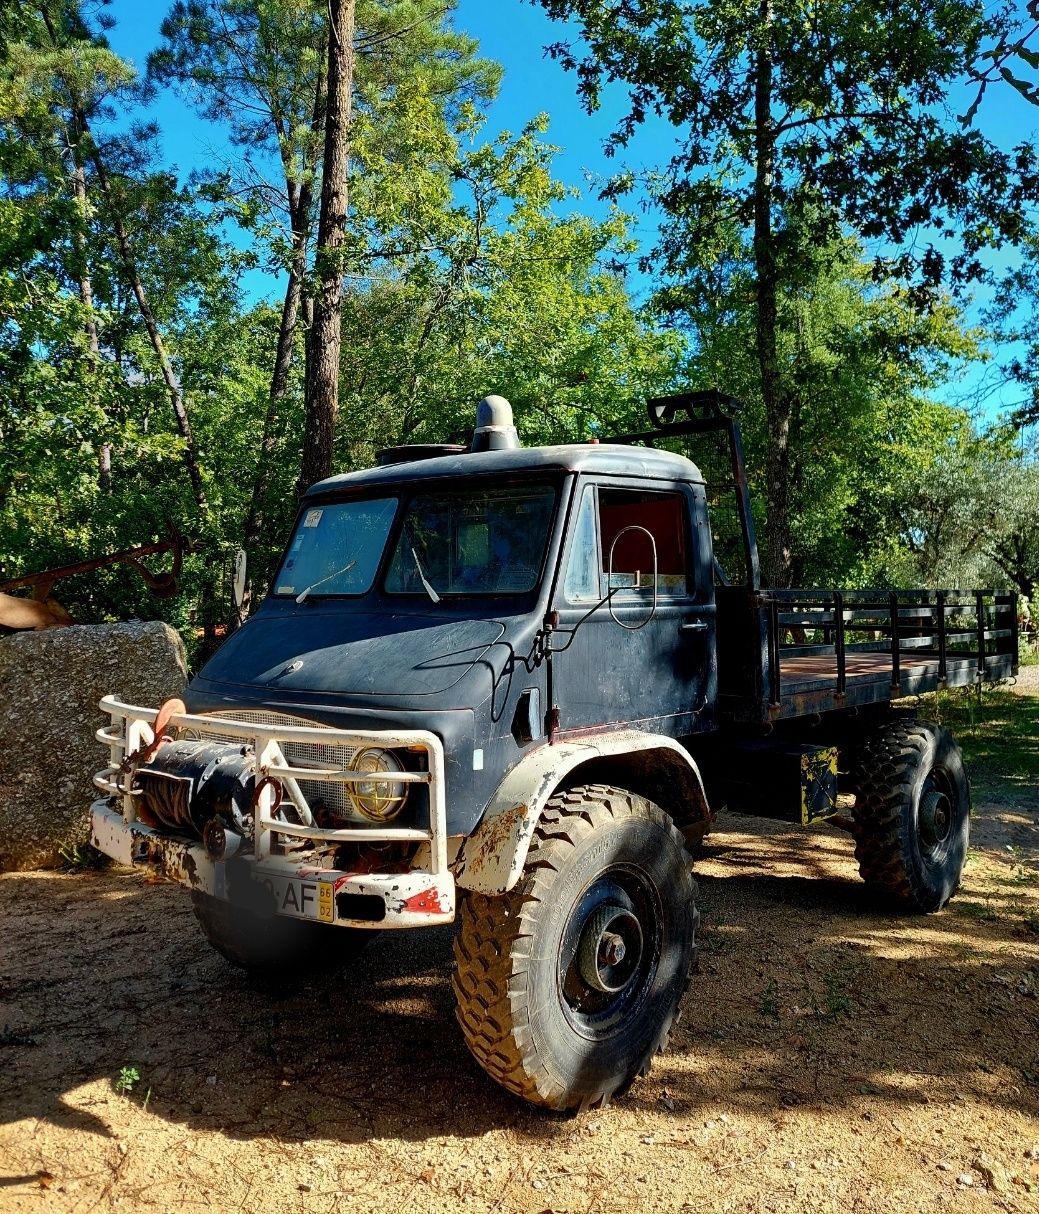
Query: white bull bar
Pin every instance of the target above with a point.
(300, 886)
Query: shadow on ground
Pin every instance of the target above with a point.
(806, 996)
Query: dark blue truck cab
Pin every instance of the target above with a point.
(513, 686)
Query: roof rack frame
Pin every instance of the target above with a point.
(707, 412)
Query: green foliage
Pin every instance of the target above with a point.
(469, 269)
(512, 299)
(970, 519)
(77, 856)
(797, 126)
(866, 433)
(127, 1079)
(997, 731)
(853, 118)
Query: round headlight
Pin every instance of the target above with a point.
(377, 800)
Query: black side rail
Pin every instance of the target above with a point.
(707, 412)
(951, 637)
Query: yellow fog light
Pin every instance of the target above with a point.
(377, 800)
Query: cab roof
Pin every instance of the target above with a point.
(612, 459)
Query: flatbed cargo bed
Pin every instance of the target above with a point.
(824, 650)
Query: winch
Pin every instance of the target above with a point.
(205, 788)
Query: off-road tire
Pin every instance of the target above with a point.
(510, 984)
(275, 946)
(901, 853)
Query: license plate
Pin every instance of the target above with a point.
(299, 897)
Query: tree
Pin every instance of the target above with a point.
(322, 394)
(91, 447)
(67, 37)
(468, 268)
(993, 61)
(501, 293)
(970, 520)
(258, 68)
(794, 123)
(864, 368)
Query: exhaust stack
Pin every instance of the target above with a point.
(495, 430)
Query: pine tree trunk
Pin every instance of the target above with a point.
(169, 376)
(300, 200)
(777, 555)
(104, 468)
(130, 267)
(322, 389)
(86, 295)
(272, 421)
(86, 287)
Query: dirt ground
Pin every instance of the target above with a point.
(830, 1058)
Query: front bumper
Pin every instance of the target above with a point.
(283, 872)
(278, 884)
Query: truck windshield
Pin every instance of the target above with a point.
(472, 542)
(336, 549)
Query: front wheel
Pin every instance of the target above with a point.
(911, 820)
(568, 985)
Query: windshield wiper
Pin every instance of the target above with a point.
(314, 585)
(425, 581)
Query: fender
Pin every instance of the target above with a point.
(493, 856)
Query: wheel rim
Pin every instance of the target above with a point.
(935, 816)
(609, 952)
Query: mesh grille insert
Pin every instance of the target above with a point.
(301, 754)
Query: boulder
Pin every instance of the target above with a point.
(50, 684)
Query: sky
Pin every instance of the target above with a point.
(515, 33)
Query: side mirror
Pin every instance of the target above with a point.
(238, 583)
(610, 586)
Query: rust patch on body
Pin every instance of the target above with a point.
(496, 833)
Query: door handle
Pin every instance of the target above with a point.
(693, 626)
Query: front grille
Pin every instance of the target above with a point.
(300, 754)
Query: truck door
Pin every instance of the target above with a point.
(636, 639)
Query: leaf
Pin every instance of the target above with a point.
(1027, 90)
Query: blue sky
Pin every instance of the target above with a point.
(514, 32)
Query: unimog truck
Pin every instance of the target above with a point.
(514, 687)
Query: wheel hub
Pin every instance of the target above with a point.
(610, 948)
(935, 817)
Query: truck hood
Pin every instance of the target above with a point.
(369, 654)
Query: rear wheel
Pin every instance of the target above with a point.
(568, 985)
(274, 945)
(912, 814)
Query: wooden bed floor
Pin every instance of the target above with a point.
(866, 666)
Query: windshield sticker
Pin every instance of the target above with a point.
(286, 590)
(313, 518)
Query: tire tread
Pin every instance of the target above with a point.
(492, 949)
(888, 767)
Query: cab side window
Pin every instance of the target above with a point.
(582, 572)
(620, 536)
(642, 532)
